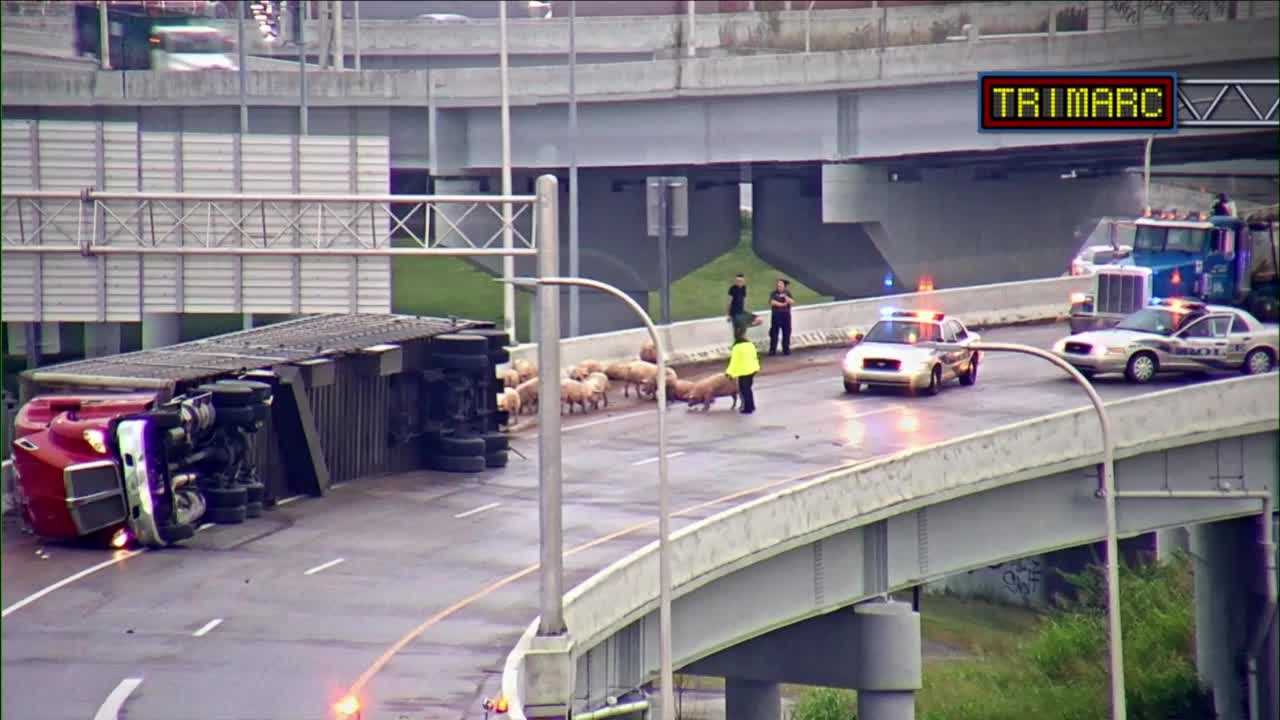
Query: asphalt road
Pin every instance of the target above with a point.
(414, 587)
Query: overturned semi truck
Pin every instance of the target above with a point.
(143, 447)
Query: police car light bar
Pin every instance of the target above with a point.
(914, 314)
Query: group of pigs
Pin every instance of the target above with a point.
(588, 384)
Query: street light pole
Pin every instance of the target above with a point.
(666, 674)
(1106, 489)
(575, 308)
(508, 261)
(104, 37)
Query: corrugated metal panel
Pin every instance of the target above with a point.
(208, 282)
(120, 173)
(325, 165)
(267, 167)
(68, 161)
(159, 174)
(18, 272)
(374, 178)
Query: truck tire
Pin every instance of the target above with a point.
(165, 420)
(226, 515)
(253, 509)
(231, 394)
(254, 492)
(495, 441)
(177, 533)
(469, 363)
(226, 497)
(236, 415)
(496, 459)
(461, 445)
(459, 344)
(498, 339)
(458, 463)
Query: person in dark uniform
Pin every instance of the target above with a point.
(738, 315)
(780, 302)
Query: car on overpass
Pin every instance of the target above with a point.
(897, 352)
(1175, 335)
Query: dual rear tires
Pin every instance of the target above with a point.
(470, 453)
(233, 505)
(470, 442)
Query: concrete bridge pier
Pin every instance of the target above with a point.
(1230, 606)
(752, 699)
(888, 658)
(161, 329)
(101, 339)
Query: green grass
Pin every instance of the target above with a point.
(1055, 667)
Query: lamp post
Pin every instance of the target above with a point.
(664, 492)
(575, 307)
(508, 261)
(1106, 489)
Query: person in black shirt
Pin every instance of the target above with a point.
(780, 302)
(737, 296)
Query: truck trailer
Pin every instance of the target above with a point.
(141, 448)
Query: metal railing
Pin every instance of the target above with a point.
(93, 222)
(1251, 115)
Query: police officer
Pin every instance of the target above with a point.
(780, 302)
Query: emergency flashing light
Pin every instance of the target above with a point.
(348, 708)
(1176, 278)
(925, 284)
(1079, 297)
(920, 315)
(888, 279)
(1146, 212)
(120, 538)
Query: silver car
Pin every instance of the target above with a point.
(1175, 336)
(896, 352)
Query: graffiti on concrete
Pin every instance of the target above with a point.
(1022, 578)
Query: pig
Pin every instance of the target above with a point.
(638, 373)
(526, 370)
(681, 389)
(573, 393)
(528, 394)
(706, 390)
(585, 368)
(650, 387)
(620, 372)
(648, 353)
(509, 377)
(509, 402)
(597, 383)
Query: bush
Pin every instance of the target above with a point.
(1061, 671)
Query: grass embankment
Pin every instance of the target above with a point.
(1056, 669)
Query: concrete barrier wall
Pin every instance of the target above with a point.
(838, 501)
(830, 324)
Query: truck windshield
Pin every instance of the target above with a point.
(1155, 320)
(1154, 239)
(903, 332)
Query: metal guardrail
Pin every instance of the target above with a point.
(93, 222)
(1205, 118)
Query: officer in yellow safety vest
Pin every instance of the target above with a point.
(744, 363)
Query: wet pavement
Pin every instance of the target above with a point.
(415, 586)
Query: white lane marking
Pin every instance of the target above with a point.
(120, 556)
(110, 709)
(478, 510)
(325, 566)
(288, 500)
(204, 527)
(602, 421)
(207, 627)
(646, 461)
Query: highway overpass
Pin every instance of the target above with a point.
(762, 592)
(422, 612)
(905, 109)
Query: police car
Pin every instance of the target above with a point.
(1174, 335)
(897, 352)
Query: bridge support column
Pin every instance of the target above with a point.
(101, 339)
(752, 699)
(888, 658)
(1227, 610)
(161, 329)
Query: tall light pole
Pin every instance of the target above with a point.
(666, 673)
(355, 21)
(575, 309)
(1106, 489)
(104, 36)
(508, 261)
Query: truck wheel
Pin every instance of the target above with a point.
(497, 339)
(253, 509)
(1257, 362)
(226, 497)
(236, 415)
(234, 393)
(226, 515)
(459, 344)
(472, 363)
(1141, 368)
(461, 445)
(165, 420)
(496, 459)
(253, 492)
(177, 533)
(458, 463)
(495, 441)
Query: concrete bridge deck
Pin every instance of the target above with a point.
(437, 575)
